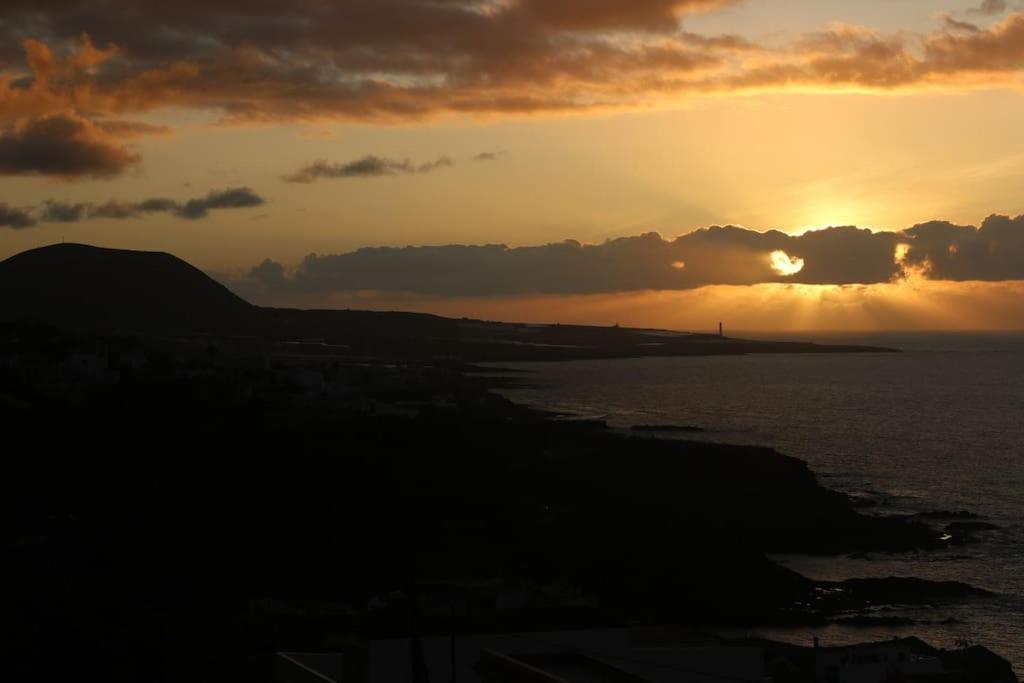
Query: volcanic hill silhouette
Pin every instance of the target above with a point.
(79, 286)
(82, 287)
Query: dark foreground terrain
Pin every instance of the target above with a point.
(182, 509)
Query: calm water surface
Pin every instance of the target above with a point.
(939, 426)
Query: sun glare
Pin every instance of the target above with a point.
(900, 255)
(784, 264)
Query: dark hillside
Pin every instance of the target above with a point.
(77, 286)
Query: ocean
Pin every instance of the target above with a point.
(939, 426)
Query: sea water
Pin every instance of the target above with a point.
(939, 426)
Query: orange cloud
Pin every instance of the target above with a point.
(400, 60)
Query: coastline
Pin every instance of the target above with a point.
(419, 468)
(850, 418)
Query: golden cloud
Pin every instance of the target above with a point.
(401, 60)
(407, 59)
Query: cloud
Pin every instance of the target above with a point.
(121, 128)
(235, 198)
(192, 209)
(989, 8)
(953, 24)
(612, 14)
(369, 166)
(62, 145)
(362, 59)
(77, 74)
(269, 273)
(114, 209)
(62, 212)
(711, 256)
(53, 211)
(487, 156)
(11, 217)
(994, 251)
(158, 205)
(998, 49)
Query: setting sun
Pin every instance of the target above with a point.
(784, 264)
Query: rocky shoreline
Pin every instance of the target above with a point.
(212, 486)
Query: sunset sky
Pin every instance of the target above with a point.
(269, 142)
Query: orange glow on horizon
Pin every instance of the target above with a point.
(903, 305)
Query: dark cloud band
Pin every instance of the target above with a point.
(369, 166)
(717, 255)
(193, 209)
(12, 217)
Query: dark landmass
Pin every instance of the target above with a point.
(86, 288)
(667, 428)
(970, 664)
(193, 483)
(80, 287)
(179, 504)
(961, 526)
(869, 621)
(872, 621)
(946, 515)
(968, 527)
(854, 593)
